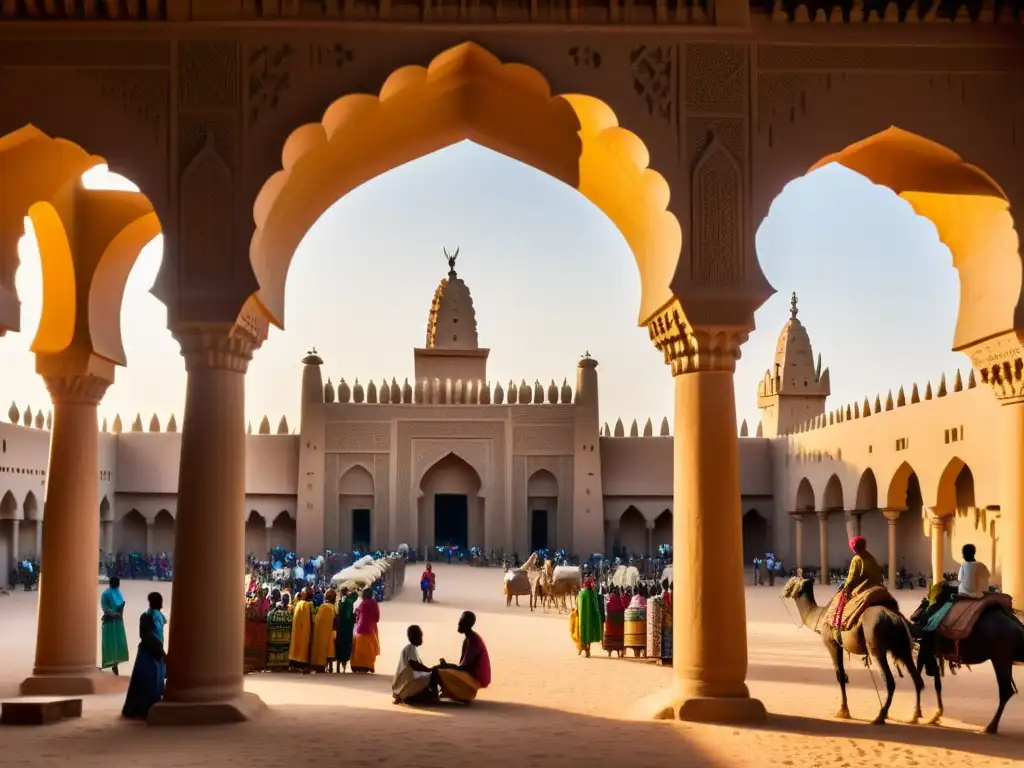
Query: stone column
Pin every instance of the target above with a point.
(65, 663)
(15, 537)
(650, 537)
(266, 540)
(108, 536)
(39, 536)
(939, 526)
(149, 537)
(853, 523)
(710, 663)
(892, 516)
(1011, 497)
(204, 674)
(823, 546)
(798, 520)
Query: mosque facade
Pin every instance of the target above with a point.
(449, 457)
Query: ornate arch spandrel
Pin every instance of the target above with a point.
(466, 93)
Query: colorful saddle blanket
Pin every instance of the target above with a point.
(853, 610)
(963, 614)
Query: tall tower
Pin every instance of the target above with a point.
(796, 387)
(452, 349)
(587, 488)
(310, 507)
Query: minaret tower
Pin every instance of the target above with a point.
(588, 492)
(309, 509)
(796, 387)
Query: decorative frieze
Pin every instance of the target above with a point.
(550, 440)
(654, 78)
(358, 437)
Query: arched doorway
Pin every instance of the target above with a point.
(956, 502)
(31, 539)
(632, 532)
(804, 501)
(450, 507)
(542, 510)
(131, 533)
(257, 535)
(755, 536)
(9, 538)
(913, 544)
(162, 535)
(106, 527)
(839, 528)
(282, 532)
(662, 535)
(354, 526)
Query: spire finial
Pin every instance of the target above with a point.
(793, 311)
(586, 355)
(451, 257)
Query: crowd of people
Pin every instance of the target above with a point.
(622, 619)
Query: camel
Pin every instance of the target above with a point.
(561, 585)
(996, 636)
(535, 574)
(517, 583)
(880, 632)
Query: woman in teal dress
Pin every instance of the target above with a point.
(115, 641)
(146, 687)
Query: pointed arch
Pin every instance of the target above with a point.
(832, 498)
(356, 481)
(542, 484)
(896, 493)
(755, 535)
(131, 532)
(956, 487)
(867, 491)
(466, 93)
(633, 531)
(30, 509)
(106, 511)
(804, 501)
(282, 531)
(663, 528)
(8, 507)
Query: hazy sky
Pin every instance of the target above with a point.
(551, 278)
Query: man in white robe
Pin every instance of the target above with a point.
(414, 682)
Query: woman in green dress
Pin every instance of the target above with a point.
(115, 641)
(345, 624)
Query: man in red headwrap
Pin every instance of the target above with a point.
(865, 573)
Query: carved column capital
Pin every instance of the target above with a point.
(1006, 380)
(822, 515)
(799, 516)
(938, 521)
(84, 389)
(216, 347)
(892, 515)
(689, 349)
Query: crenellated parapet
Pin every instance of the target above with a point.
(868, 407)
(28, 419)
(447, 392)
(895, 11)
(634, 429)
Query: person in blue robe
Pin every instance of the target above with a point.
(146, 687)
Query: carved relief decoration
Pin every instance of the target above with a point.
(205, 205)
(654, 78)
(584, 56)
(269, 77)
(382, 513)
(408, 431)
(358, 437)
(142, 94)
(717, 199)
(332, 55)
(548, 439)
(716, 79)
(208, 75)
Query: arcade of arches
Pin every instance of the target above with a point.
(721, 157)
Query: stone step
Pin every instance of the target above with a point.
(39, 710)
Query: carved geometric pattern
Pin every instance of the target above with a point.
(195, 129)
(269, 77)
(717, 198)
(208, 75)
(700, 131)
(358, 437)
(335, 55)
(653, 68)
(893, 58)
(584, 56)
(142, 94)
(555, 439)
(716, 78)
(382, 512)
(452, 430)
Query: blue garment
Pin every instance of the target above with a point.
(111, 600)
(146, 687)
(936, 620)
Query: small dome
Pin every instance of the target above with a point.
(312, 358)
(328, 391)
(452, 320)
(344, 393)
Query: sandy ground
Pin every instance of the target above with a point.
(546, 706)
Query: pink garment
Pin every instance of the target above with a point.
(367, 617)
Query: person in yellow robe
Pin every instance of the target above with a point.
(322, 651)
(302, 631)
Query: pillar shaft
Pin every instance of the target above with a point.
(938, 546)
(15, 536)
(149, 537)
(65, 662)
(710, 644)
(799, 554)
(823, 546)
(204, 674)
(266, 540)
(39, 538)
(1011, 479)
(892, 516)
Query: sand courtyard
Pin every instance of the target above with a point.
(546, 706)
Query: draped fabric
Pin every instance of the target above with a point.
(346, 628)
(589, 617)
(279, 638)
(149, 673)
(635, 628)
(115, 639)
(365, 650)
(256, 635)
(302, 632)
(323, 635)
(655, 627)
(666, 634)
(612, 637)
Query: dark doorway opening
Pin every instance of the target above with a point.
(361, 530)
(538, 530)
(755, 536)
(451, 520)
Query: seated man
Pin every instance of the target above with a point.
(974, 576)
(864, 574)
(414, 682)
(461, 682)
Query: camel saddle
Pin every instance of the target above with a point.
(854, 609)
(964, 614)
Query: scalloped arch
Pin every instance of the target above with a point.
(466, 93)
(971, 214)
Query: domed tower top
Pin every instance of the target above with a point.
(452, 320)
(796, 386)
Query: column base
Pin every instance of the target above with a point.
(243, 708)
(87, 684)
(719, 710)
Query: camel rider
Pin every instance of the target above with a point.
(973, 577)
(865, 573)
